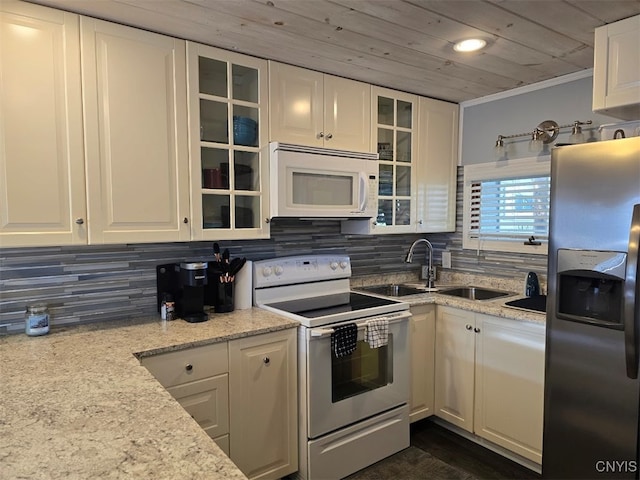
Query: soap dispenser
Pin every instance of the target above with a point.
(532, 285)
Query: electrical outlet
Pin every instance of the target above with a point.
(425, 272)
(446, 259)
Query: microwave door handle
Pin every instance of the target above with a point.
(631, 297)
(364, 192)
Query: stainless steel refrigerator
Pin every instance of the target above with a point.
(592, 392)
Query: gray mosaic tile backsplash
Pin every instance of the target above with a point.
(107, 282)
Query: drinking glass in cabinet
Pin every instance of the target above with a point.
(403, 209)
(385, 211)
(385, 144)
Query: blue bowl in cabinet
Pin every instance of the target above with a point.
(245, 131)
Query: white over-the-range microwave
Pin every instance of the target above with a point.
(310, 182)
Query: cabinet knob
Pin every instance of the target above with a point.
(267, 220)
(321, 135)
(186, 220)
(79, 221)
(188, 367)
(329, 136)
(419, 222)
(477, 330)
(266, 360)
(468, 327)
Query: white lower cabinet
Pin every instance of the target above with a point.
(264, 404)
(198, 379)
(489, 378)
(423, 332)
(243, 393)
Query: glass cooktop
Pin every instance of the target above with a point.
(316, 307)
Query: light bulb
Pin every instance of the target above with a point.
(499, 150)
(470, 45)
(535, 145)
(576, 134)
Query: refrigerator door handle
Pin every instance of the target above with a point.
(631, 297)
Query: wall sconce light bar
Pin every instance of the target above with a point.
(545, 133)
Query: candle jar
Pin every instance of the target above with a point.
(37, 320)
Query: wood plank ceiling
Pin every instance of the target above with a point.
(401, 44)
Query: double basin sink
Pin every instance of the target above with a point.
(470, 293)
(535, 304)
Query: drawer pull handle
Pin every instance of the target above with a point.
(468, 327)
(477, 330)
(266, 360)
(188, 367)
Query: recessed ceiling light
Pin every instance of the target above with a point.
(470, 45)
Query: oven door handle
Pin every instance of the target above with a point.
(362, 324)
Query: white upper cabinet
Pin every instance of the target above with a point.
(134, 89)
(437, 160)
(319, 110)
(228, 99)
(616, 69)
(42, 191)
(125, 89)
(417, 142)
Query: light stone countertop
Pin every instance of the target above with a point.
(77, 404)
(489, 307)
(449, 280)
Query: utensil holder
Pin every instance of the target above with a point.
(224, 301)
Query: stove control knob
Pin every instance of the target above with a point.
(333, 265)
(266, 271)
(343, 264)
(279, 270)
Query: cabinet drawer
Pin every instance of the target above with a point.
(223, 443)
(207, 401)
(183, 366)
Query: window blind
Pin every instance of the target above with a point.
(509, 209)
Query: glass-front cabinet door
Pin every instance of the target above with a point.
(228, 128)
(394, 131)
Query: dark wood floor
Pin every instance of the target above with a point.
(466, 455)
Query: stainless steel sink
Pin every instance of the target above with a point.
(475, 293)
(392, 290)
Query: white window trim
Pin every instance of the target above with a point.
(530, 166)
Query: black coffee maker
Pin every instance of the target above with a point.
(185, 283)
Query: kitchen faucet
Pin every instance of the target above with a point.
(431, 273)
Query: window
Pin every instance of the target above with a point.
(507, 204)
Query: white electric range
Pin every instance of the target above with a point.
(353, 409)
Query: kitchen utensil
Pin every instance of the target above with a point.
(236, 265)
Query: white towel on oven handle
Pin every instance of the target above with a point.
(377, 332)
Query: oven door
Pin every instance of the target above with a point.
(342, 391)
